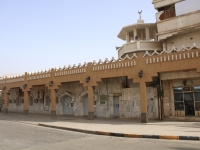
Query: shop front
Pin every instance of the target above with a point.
(187, 100)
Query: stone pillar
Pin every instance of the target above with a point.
(90, 103)
(142, 35)
(53, 103)
(172, 110)
(5, 102)
(127, 38)
(164, 46)
(147, 34)
(155, 36)
(26, 102)
(135, 33)
(143, 100)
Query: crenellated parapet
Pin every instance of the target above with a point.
(114, 63)
(39, 75)
(151, 63)
(75, 69)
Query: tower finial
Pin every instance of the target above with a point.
(140, 13)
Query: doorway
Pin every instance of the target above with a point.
(85, 104)
(116, 106)
(67, 107)
(189, 103)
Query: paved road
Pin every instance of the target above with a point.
(16, 135)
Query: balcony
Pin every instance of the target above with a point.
(162, 3)
(138, 46)
(171, 26)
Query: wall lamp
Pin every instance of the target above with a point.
(50, 83)
(29, 92)
(140, 74)
(88, 79)
(56, 90)
(24, 86)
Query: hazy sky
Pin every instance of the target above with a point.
(42, 34)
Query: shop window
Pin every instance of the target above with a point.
(47, 101)
(197, 96)
(197, 106)
(178, 97)
(31, 101)
(188, 96)
(178, 89)
(197, 88)
(179, 106)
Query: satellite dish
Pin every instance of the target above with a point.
(137, 38)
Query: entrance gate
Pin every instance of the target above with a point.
(85, 104)
(116, 106)
(66, 103)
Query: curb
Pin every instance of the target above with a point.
(164, 137)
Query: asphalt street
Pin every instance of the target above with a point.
(16, 135)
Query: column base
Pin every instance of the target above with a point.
(5, 110)
(26, 112)
(53, 114)
(144, 117)
(90, 115)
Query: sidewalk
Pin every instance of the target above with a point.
(114, 127)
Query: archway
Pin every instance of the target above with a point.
(66, 100)
(84, 99)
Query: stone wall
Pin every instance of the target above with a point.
(187, 40)
(39, 107)
(15, 103)
(107, 87)
(74, 90)
(129, 99)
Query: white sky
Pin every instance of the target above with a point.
(42, 34)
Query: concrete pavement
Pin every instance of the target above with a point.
(115, 127)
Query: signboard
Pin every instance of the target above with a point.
(187, 88)
(103, 99)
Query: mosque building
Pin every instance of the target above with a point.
(156, 75)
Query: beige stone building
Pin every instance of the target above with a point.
(156, 75)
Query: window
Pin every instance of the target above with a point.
(179, 106)
(168, 12)
(197, 88)
(178, 89)
(178, 98)
(30, 101)
(188, 96)
(197, 97)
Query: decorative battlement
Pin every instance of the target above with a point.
(71, 69)
(38, 75)
(157, 56)
(103, 65)
(173, 50)
(173, 55)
